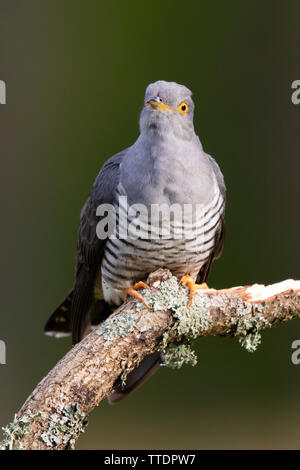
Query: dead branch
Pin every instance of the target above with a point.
(56, 412)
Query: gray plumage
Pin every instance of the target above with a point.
(166, 165)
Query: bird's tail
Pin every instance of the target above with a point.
(59, 324)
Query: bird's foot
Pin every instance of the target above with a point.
(192, 286)
(132, 291)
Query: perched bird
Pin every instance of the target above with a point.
(165, 167)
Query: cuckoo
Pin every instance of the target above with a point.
(165, 168)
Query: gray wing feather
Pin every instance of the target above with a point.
(89, 246)
(220, 234)
(218, 173)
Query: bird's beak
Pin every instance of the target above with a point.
(155, 103)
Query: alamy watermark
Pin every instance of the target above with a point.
(295, 358)
(186, 222)
(296, 94)
(2, 352)
(2, 92)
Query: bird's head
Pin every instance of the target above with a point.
(168, 109)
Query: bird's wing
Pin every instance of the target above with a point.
(89, 247)
(218, 174)
(220, 233)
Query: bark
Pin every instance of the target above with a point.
(55, 413)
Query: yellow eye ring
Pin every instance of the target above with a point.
(183, 107)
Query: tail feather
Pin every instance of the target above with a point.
(59, 324)
(99, 311)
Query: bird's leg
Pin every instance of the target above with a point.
(140, 284)
(134, 293)
(192, 286)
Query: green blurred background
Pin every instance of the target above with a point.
(76, 72)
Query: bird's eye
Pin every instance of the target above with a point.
(183, 107)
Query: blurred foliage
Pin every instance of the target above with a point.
(76, 72)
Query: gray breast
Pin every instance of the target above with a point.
(181, 244)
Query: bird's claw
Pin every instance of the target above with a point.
(132, 291)
(192, 286)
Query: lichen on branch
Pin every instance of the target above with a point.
(56, 412)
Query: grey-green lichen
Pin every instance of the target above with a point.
(177, 355)
(194, 320)
(15, 431)
(119, 325)
(249, 326)
(191, 321)
(165, 297)
(64, 428)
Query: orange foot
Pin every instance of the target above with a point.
(134, 293)
(192, 286)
